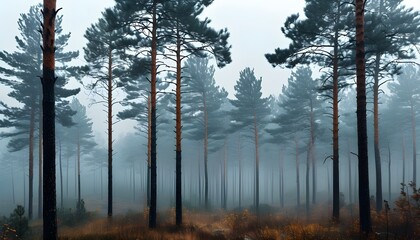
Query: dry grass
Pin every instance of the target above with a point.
(284, 225)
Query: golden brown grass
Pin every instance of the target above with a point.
(283, 225)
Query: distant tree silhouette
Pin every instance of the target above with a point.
(250, 111)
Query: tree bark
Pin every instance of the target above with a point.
(389, 172)
(257, 170)
(240, 171)
(349, 166)
(364, 198)
(61, 176)
(297, 174)
(109, 121)
(312, 148)
(413, 132)
(48, 118)
(178, 133)
(31, 163)
(78, 170)
(149, 148)
(403, 156)
(378, 168)
(308, 159)
(40, 163)
(281, 180)
(336, 163)
(206, 152)
(153, 177)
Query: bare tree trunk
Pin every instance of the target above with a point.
(199, 180)
(149, 148)
(153, 178)
(61, 176)
(48, 105)
(281, 180)
(240, 171)
(364, 201)
(178, 133)
(376, 85)
(224, 178)
(312, 148)
(335, 158)
(297, 174)
(413, 131)
(206, 144)
(13, 183)
(349, 166)
(40, 163)
(308, 159)
(31, 163)
(403, 157)
(257, 170)
(378, 168)
(110, 131)
(78, 169)
(389, 173)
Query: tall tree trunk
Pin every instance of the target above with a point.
(48, 118)
(257, 163)
(281, 180)
(364, 202)
(78, 169)
(389, 173)
(224, 177)
(149, 149)
(240, 171)
(297, 174)
(378, 168)
(13, 183)
(178, 132)
(206, 152)
(67, 178)
(403, 156)
(336, 163)
(413, 132)
(109, 121)
(40, 163)
(153, 179)
(199, 180)
(308, 159)
(31, 163)
(349, 166)
(61, 176)
(312, 148)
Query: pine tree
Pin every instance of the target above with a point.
(250, 112)
(364, 198)
(392, 32)
(48, 119)
(405, 97)
(104, 53)
(300, 111)
(80, 135)
(20, 74)
(203, 101)
(323, 39)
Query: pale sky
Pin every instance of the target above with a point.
(254, 26)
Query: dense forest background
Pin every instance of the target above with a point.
(290, 145)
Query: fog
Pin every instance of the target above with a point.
(259, 130)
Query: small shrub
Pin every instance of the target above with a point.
(17, 222)
(68, 217)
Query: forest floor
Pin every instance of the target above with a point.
(240, 224)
